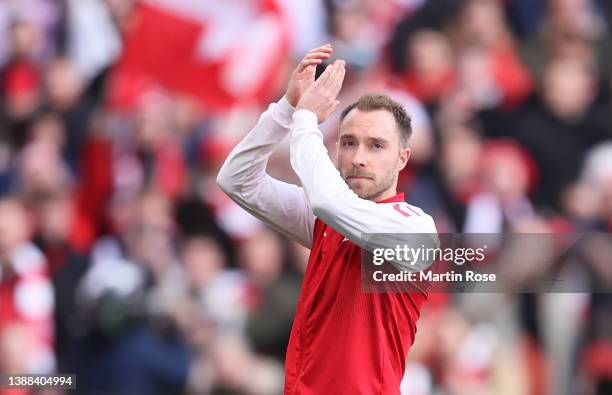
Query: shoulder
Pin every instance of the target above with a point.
(413, 215)
(405, 209)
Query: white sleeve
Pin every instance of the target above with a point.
(243, 177)
(338, 206)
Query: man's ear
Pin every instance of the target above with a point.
(403, 158)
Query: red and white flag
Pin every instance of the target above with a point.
(221, 52)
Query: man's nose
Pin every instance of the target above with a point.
(359, 159)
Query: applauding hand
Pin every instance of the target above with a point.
(321, 96)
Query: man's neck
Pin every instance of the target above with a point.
(384, 195)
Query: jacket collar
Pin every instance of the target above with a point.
(397, 198)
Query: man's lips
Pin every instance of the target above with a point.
(358, 178)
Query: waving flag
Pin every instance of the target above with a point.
(220, 52)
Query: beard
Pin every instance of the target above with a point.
(370, 188)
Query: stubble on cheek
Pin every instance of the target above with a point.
(363, 188)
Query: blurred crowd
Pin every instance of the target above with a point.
(122, 262)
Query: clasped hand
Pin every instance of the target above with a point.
(318, 96)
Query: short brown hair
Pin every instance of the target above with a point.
(379, 101)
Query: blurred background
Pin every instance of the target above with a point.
(122, 262)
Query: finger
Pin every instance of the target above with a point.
(322, 48)
(310, 71)
(331, 77)
(329, 83)
(306, 63)
(322, 52)
(339, 73)
(335, 91)
(332, 90)
(323, 79)
(309, 62)
(318, 55)
(338, 79)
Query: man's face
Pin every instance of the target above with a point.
(370, 155)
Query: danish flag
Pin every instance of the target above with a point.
(220, 52)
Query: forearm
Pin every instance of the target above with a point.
(310, 160)
(245, 168)
(243, 177)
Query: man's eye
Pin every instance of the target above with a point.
(348, 144)
(378, 146)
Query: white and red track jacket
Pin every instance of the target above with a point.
(343, 341)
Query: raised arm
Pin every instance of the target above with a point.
(243, 174)
(243, 177)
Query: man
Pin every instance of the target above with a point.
(343, 340)
(26, 297)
